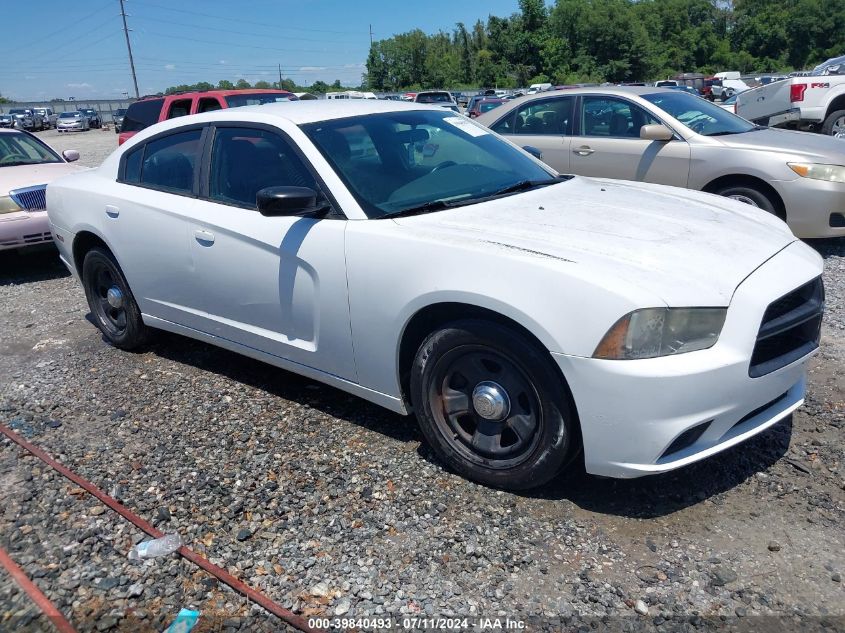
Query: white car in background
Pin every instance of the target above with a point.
(409, 256)
(27, 164)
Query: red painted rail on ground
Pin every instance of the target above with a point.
(41, 601)
(219, 573)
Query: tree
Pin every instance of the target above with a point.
(262, 85)
(242, 84)
(225, 84)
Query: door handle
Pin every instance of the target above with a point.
(204, 237)
(584, 150)
(112, 211)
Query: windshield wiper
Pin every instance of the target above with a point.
(522, 185)
(434, 205)
(16, 163)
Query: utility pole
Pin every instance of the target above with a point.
(371, 35)
(280, 76)
(129, 48)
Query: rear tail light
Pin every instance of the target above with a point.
(796, 92)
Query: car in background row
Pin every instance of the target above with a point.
(525, 317)
(117, 119)
(27, 165)
(149, 110)
(669, 137)
(94, 119)
(483, 105)
(50, 117)
(439, 98)
(27, 119)
(72, 122)
(7, 120)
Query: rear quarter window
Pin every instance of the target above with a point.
(141, 115)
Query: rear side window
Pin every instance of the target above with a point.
(544, 117)
(182, 107)
(169, 162)
(132, 169)
(141, 114)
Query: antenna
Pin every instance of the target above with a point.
(129, 48)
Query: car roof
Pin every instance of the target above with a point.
(206, 93)
(311, 111)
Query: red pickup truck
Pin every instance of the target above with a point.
(149, 110)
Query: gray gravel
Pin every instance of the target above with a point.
(333, 506)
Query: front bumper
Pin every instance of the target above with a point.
(809, 205)
(24, 228)
(632, 412)
(70, 127)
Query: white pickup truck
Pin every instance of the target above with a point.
(814, 103)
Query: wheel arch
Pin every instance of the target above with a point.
(429, 318)
(837, 103)
(748, 180)
(83, 242)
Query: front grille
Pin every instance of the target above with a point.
(31, 198)
(790, 329)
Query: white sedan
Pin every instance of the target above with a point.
(411, 257)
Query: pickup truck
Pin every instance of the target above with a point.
(813, 103)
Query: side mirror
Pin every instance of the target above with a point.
(656, 132)
(536, 153)
(289, 201)
(70, 155)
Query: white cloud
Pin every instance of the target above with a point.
(311, 69)
(82, 85)
(222, 61)
(353, 65)
(170, 66)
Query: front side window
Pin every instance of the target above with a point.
(21, 149)
(613, 117)
(244, 161)
(394, 162)
(169, 161)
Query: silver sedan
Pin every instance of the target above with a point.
(72, 122)
(672, 138)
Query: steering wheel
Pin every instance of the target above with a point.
(443, 165)
(11, 158)
(697, 126)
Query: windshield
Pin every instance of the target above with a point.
(397, 161)
(486, 106)
(260, 98)
(698, 114)
(434, 97)
(18, 111)
(22, 149)
(69, 115)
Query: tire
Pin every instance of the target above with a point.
(749, 195)
(121, 324)
(834, 124)
(463, 360)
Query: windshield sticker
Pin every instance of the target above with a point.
(466, 125)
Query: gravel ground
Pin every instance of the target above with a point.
(333, 506)
(93, 145)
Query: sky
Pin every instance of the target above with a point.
(61, 48)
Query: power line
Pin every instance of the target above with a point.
(129, 48)
(170, 36)
(31, 44)
(227, 30)
(254, 23)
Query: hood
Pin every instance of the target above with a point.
(31, 175)
(817, 147)
(686, 247)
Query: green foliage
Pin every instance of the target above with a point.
(575, 41)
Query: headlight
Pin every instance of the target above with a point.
(816, 171)
(653, 332)
(7, 205)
